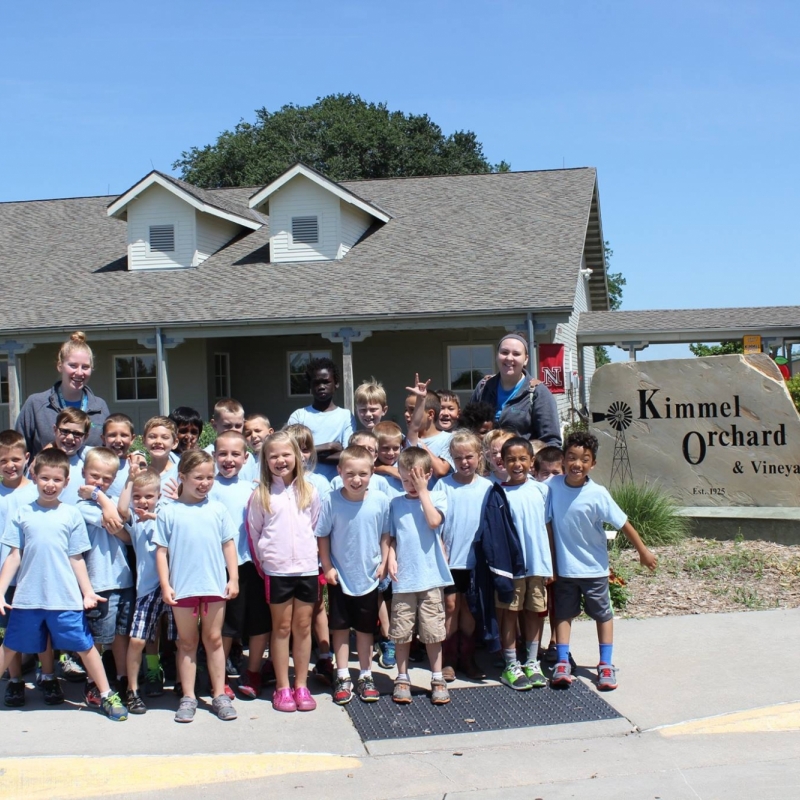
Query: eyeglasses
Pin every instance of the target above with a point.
(74, 434)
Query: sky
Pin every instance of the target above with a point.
(688, 109)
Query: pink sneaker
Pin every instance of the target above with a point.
(303, 699)
(283, 700)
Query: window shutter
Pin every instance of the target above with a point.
(305, 230)
(162, 238)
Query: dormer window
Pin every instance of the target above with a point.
(305, 230)
(162, 238)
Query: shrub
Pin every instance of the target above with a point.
(653, 513)
(793, 386)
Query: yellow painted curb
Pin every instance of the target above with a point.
(784, 717)
(77, 776)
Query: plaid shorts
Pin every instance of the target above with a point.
(147, 612)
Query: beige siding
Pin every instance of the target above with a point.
(355, 223)
(213, 233)
(300, 198)
(568, 336)
(157, 206)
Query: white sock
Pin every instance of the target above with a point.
(105, 694)
(436, 676)
(510, 656)
(343, 674)
(365, 673)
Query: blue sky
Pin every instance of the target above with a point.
(688, 109)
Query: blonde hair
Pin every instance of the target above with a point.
(415, 457)
(358, 436)
(77, 341)
(387, 430)
(104, 456)
(303, 489)
(492, 436)
(354, 452)
(370, 391)
(146, 479)
(461, 438)
(305, 441)
(190, 461)
(12, 439)
(160, 422)
(228, 404)
(231, 435)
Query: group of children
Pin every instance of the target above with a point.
(415, 535)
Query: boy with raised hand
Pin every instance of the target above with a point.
(229, 416)
(330, 425)
(247, 615)
(577, 508)
(422, 414)
(418, 567)
(47, 539)
(353, 537)
(137, 508)
(107, 565)
(371, 404)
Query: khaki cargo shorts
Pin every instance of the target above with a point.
(426, 609)
(529, 595)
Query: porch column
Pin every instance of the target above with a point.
(347, 336)
(12, 349)
(632, 348)
(161, 343)
(581, 376)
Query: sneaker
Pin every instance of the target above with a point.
(342, 691)
(268, 673)
(514, 676)
(229, 693)
(473, 671)
(606, 677)
(439, 693)
(51, 689)
(367, 690)
(283, 700)
(533, 672)
(15, 694)
(186, 709)
(134, 702)
(113, 708)
(231, 670)
(92, 694)
(154, 682)
(250, 684)
(223, 708)
(387, 657)
(562, 674)
(71, 668)
(324, 670)
(551, 654)
(303, 699)
(449, 674)
(402, 692)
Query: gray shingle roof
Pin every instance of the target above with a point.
(456, 244)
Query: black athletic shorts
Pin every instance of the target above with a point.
(248, 613)
(346, 611)
(461, 581)
(283, 588)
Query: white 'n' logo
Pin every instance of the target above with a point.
(552, 376)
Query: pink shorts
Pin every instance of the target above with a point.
(196, 602)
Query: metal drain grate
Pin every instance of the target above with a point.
(482, 708)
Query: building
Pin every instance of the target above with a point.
(188, 295)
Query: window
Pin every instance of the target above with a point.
(4, 380)
(298, 361)
(162, 238)
(305, 230)
(135, 377)
(469, 363)
(222, 375)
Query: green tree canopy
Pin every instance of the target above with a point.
(616, 282)
(721, 349)
(341, 136)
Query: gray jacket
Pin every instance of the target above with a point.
(37, 418)
(532, 412)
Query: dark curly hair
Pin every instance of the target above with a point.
(316, 364)
(582, 439)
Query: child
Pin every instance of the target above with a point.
(369, 441)
(196, 543)
(47, 538)
(13, 461)
(229, 416)
(577, 509)
(246, 616)
(107, 565)
(70, 431)
(527, 509)
(390, 443)
(449, 410)
(370, 402)
(118, 435)
(256, 428)
(353, 533)
(281, 519)
(422, 416)
(466, 493)
(305, 441)
(477, 417)
(418, 567)
(160, 437)
(188, 427)
(492, 452)
(330, 425)
(137, 507)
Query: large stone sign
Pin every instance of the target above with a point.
(717, 431)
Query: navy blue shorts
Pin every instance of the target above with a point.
(28, 629)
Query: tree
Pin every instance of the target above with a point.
(721, 349)
(341, 136)
(615, 283)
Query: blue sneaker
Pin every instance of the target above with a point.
(387, 657)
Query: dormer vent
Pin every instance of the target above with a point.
(162, 238)
(305, 230)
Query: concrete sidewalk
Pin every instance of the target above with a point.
(672, 670)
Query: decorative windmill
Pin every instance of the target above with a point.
(619, 416)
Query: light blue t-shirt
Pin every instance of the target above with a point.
(106, 560)
(326, 426)
(377, 483)
(439, 445)
(421, 564)
(115, 490)
(194, 535)
(250, 470)
(47, 538)
(170, 475)
(319, 482)
(355, 530)
(142, 533)
(465, 504)
(235, 493)
(526, 504)
(70, 492)
(9, 503)
(542, 487)
(577, 515)
(394, 486)
(5, 490)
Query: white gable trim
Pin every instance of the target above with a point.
(117, 208)
(262, 195)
